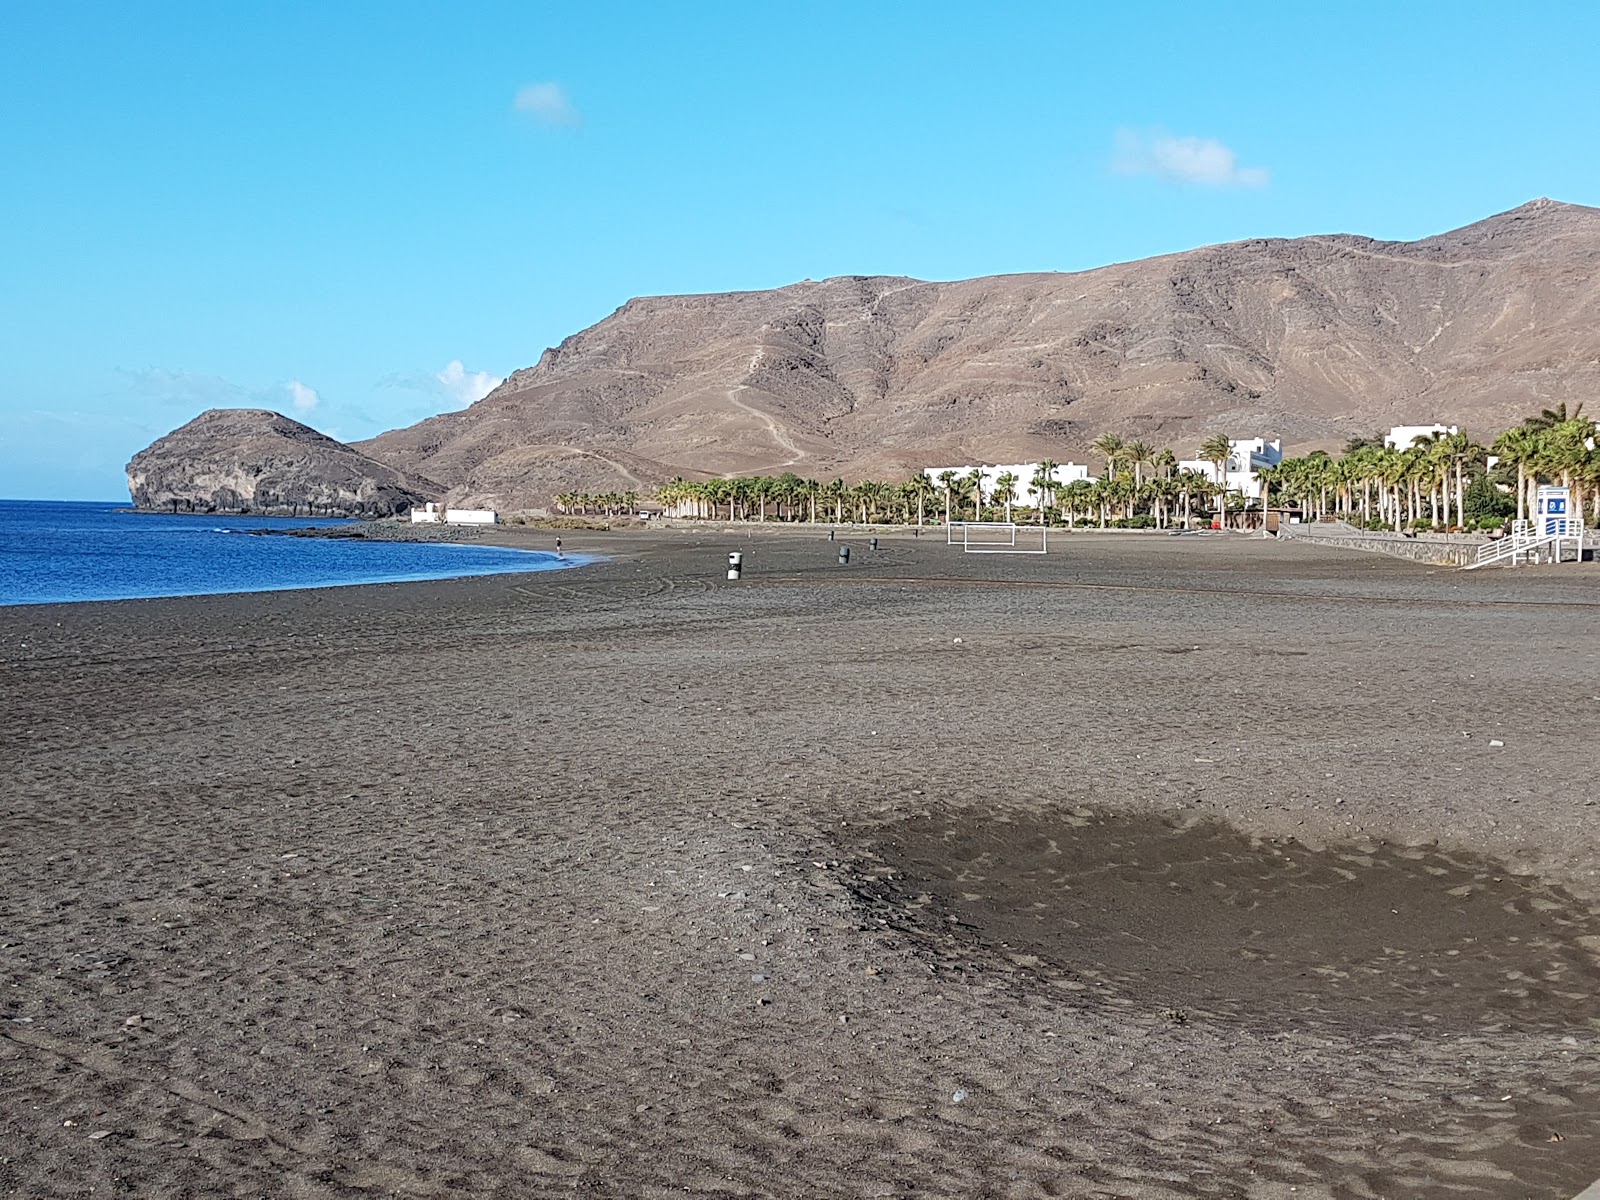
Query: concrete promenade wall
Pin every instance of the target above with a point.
(1441, 549)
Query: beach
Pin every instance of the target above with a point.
(1153, 867)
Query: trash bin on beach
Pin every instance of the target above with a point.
(735, 564)
(872, 544)
(844, 556)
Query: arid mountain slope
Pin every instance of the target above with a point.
(1312, 339)
(246, 460)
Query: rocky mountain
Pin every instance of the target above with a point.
(1313, 339)
(240, 460)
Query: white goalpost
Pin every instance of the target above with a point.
(997, 537)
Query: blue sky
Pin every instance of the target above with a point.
(363, 213)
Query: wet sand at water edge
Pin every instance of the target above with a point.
(1154, 867)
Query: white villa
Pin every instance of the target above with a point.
(1403, 437)
(1064, 474)
(1246, 457)
(431, 514)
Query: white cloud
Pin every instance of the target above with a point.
(547, 103)
(1183, 160)
(464, 386)
(302, 397)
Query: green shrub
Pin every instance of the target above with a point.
(1483, 499)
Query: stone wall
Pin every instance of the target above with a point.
(1441, 549)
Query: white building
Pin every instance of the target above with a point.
(1403, 437)
(1064, 474)
(1246, 457)
(431, 514)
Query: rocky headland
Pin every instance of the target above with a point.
(261, 462)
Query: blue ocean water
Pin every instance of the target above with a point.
(61, 551)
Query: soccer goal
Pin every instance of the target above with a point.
(997, 537)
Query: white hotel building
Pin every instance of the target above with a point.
(1063, 475)
(1246, 457)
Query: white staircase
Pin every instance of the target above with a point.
(1549, 539)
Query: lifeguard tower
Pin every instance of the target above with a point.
(1555, 534)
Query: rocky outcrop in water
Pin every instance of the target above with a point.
(254, 461)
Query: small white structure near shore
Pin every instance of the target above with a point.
(431, 514)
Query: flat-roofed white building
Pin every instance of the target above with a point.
(431, 514)
(1064, 474)
(1403, 437)
(1246, 456)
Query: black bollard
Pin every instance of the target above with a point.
(844, 556)
(830, 535)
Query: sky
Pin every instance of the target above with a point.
(361, 214)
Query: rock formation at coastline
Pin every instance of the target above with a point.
(255, 461)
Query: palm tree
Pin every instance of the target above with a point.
(1190, 481)
(1005, 491)
(1569, 451)
(1080, 492)
(1267, 476)
(920, 489)
(835, 491)
(947, 480)
(1044, 485)
(1459, 451)
(1519, 447)
(1111, 446)
(1217, 450)
(1549, 418)
(1136, 454)
(974, 480)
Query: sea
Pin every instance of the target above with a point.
(62, 551)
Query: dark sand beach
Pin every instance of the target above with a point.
(1155, 867)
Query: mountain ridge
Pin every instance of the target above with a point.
(1312, 339)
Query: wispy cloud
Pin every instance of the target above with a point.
(546, 103)
(195, 390)
(1175, 159)
(191, 389)
(302, 397)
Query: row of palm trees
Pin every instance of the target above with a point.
(1117, 498)
(607, 503)
(1429, 483)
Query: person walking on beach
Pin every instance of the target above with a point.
(558, 549)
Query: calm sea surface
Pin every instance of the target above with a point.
(52, 552)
